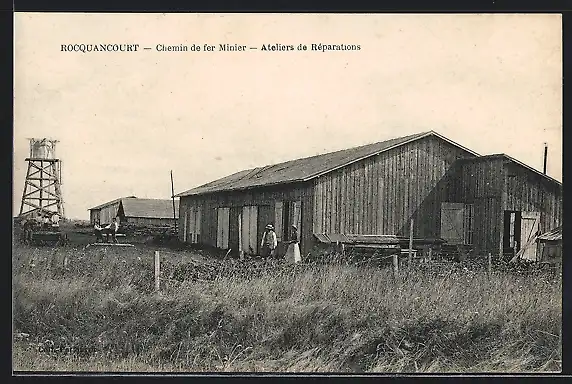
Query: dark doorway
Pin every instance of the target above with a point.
(511, 233)
(286, 219)
(265, 217)
(291, 215)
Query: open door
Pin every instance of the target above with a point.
(265, 217)
(297, 214)
(529, 226)
(291, 213)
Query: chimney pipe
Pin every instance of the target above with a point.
(545, 157)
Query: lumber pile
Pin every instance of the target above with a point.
(145, 231)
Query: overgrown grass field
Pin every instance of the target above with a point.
(97, 312)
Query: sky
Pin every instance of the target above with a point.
(124, 120)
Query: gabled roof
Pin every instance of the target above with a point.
(514, 161)
(308, 168)
(112, 202)
(149, 208)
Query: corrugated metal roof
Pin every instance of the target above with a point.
(553, 235)
(150, 208)
(304, 169)
(111, 202)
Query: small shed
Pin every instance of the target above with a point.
(154, 212)
(550, 244)
(103, 213)
(132, 210)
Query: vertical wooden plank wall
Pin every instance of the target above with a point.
(380, 194)
(527, 191)
(108, 212)
(256, 197)
(482, 183)
(495, 184)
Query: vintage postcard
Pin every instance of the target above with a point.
(301, 193)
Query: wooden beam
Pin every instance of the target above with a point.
(42, 159)
(24, 193)
(38, 189)
(49, 178)
(43, 167)
(42, 198)
(39, 207)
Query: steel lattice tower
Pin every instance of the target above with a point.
(42, 191)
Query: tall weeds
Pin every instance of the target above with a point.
(232, 317)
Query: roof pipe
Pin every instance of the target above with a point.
(545, 157)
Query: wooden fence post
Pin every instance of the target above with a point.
(410, 257)
(395, 266)
(157, 271)
(489, 263)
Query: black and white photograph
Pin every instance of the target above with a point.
(287, 193)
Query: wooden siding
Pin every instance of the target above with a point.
(380, 195)
(481, 183)
(105, 214)
(527, 191)
(266, 197)
(494, 185)
(94, 216)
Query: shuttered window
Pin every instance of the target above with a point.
(248, 229)
(223, 225)
(457, 223)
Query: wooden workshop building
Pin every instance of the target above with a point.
(488, 203)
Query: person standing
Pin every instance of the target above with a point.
(293, 251)
(269, 242)
(113, 227)
(98, 232)
(46, 220)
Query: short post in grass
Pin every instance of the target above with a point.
(410, 256)
(395, 260)
(489, 263)
(157, 270)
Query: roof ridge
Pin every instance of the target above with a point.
(344, 155)
(250, 171)
(112, 202)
